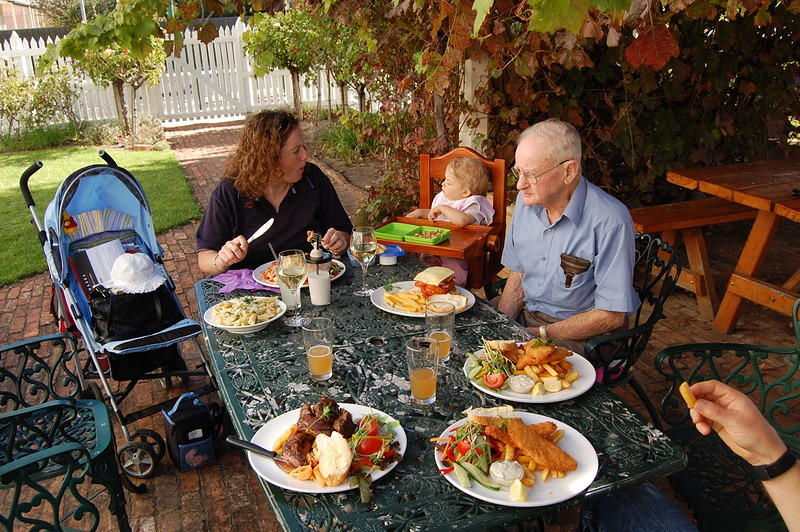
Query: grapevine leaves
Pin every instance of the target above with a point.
(654, 46)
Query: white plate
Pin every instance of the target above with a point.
(261, 269)
(208, 317)
(553, 491)
(406, 286)
(274, 428)
(586, 378)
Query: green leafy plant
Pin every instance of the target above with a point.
(118, 66)
(289, 40)
(32, 104)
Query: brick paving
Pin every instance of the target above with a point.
(226, 495)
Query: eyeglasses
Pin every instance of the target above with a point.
(520, 175)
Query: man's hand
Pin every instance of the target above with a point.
(737, 421)
(513, 296)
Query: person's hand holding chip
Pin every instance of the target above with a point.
(737, 421)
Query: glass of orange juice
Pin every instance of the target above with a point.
(439, 323)
(422, 354)
(318, 343)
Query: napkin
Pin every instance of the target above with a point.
(239, 280)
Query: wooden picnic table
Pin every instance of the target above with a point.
(767, 186)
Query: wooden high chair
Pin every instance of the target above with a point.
(481, 245)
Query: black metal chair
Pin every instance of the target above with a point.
(656, 271)
(717, 485)
(52, 440)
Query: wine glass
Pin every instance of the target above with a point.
(292, 272)
(363, 246)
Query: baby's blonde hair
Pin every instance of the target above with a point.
(471, 173)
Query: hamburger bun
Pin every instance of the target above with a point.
(333, 457)
(457, 300)
(434, 275)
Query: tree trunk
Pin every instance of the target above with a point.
(440, 144)
(298, 102)
(122, 110)
(362, 97)
(330, 104)
(343, 96)
(319, 99)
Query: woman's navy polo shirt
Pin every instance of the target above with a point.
(310, 204)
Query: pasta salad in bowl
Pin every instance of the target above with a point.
(244, 315)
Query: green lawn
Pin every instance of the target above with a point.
(159, 172)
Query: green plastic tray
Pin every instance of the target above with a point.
(395, 231)
(444, 235)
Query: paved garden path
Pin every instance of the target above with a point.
(226, 496)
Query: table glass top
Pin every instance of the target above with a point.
(265, 374)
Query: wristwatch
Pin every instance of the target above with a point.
(543, 332)
(776, 468)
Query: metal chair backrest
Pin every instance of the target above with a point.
(656, 272)
(38, 370)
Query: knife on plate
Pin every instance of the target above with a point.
(257, 449)
(261, 230)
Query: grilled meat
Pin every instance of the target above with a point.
(295, 450)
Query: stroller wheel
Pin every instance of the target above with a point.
(153, 439)
(92, 391)
(138, 460)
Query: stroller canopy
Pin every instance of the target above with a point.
(93, 200)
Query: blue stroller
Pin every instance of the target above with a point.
(96, 208)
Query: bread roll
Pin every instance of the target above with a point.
(334, 457)
(489, 416)
(457, 300)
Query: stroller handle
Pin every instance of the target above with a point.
(107, 158)
(23, 182)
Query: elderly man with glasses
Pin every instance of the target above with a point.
(562, 219)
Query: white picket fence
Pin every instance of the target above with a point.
(207, 81)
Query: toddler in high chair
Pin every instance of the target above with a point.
(462, 201)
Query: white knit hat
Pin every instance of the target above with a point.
(134, 273)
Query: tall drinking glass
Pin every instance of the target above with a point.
(439, 325)
(363, 246)
(318, 342)
(292, 274)
(422, 355)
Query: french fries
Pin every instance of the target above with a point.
(687, 394)
(549, 377)
(408, 301)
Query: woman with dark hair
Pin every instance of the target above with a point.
(268, 177)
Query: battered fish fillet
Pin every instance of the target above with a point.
(545, 430)
(542, 451)
(540, 354)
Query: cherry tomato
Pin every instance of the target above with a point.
(370, 425)
(369, 446)
(494, 380)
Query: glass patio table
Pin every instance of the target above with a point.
(263, 375)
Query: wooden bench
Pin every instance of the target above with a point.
(685, 220)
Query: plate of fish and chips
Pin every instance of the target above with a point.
(554, 373)
(557, 461)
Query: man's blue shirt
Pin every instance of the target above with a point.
(595, 226)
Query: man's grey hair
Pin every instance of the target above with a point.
(563, 141)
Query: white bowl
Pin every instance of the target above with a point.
(208, 317)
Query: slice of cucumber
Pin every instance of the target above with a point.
(480, 476)
(462, 476)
